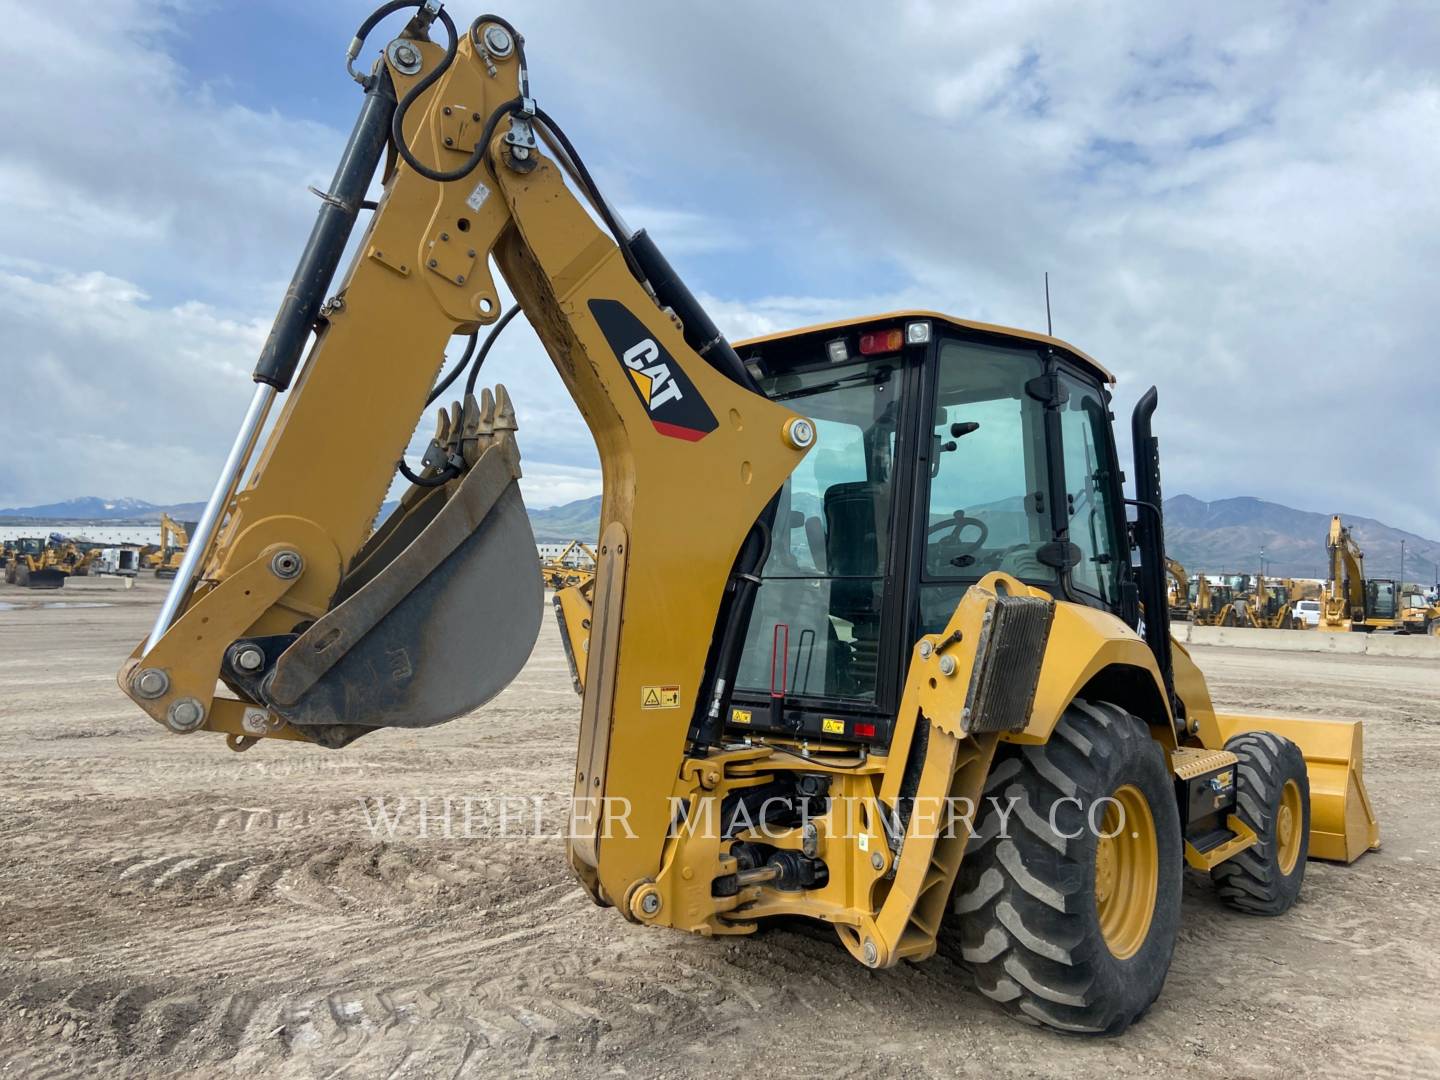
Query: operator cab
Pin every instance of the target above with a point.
(1381, 599)
(946, 450)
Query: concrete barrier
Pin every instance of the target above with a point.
(1242, 637)
(1402, 645)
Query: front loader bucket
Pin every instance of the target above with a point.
(48, 578)
(1342, 822)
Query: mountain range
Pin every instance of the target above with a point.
(1229, 535)
(1226, 535)
(91, 508)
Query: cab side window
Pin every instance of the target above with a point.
(1091, 489)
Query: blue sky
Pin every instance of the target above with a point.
(1235, 204)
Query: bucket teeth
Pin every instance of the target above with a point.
(487, 417)
(442, 427)
(453, 442)
(470, 430)
(504, 410)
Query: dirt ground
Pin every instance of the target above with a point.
(168, 907)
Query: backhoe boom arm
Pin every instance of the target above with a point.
(323, 631)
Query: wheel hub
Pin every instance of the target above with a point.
(1127, 871)
(1287, 827)
(1104, 869)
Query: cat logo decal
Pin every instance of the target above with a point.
(675, 407)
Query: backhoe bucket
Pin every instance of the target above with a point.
(1342, 822)
(441, 608)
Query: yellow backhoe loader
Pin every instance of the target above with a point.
(861, 586)
(1419, 615)
(1212, 605)
(1353, 601)
(1271, 606)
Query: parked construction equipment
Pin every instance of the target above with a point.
(1177, 593)
(45, 563)
(1419, 615)
(848, 576)
(1352, 601)
(1271, 605)
(1211, 605)
(166, 558)
(575, 565)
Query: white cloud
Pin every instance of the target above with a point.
(555, 485)
(1235, 202)
(105, 390)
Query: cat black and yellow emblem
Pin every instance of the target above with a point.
(674, 405)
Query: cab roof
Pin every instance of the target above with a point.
(951, 320)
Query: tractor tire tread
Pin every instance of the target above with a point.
(1026, 918)
(1252, 881)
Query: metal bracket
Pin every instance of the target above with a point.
(521, 137)
(451, 256)
(326, 197)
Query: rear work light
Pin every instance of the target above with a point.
(881, 341)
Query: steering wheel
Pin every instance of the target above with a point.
(951, 548)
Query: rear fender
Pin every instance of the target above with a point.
(1091, 653)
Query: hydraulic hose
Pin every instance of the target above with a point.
(500, 325)
(461, 365)
(449, 473)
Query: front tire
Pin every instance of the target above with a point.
(1273, 797)
(1064, 926)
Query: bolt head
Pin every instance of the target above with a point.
(286, 564)
(497, 40)
(927, 650)
(406, 55)
(650, 903)
(249, 658)
(872, 954)
(185, 715)
(947, 665)
(799, 433)
(877, 860)
(151, 683)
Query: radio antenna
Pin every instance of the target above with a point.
(1049, 326)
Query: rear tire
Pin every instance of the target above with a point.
(1273, 798)
(1061, 927)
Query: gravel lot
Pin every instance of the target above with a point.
(168, 907)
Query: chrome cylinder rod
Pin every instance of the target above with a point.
(198, 547)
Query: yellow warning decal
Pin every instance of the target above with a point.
(832, 727)
(660, 697)
(740, 716)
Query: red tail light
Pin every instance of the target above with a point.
(862, 731)
(881, 341)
